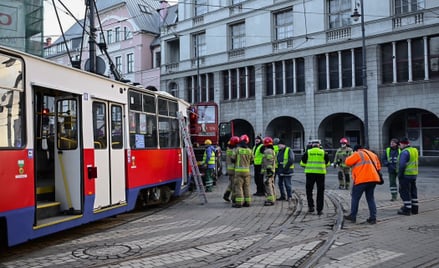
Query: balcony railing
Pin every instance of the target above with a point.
(198, 20)
(171, 67)
(237, 53)
(194, 61)
(408, 19)
(338, 34)
(279, 45)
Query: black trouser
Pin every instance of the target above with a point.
(259, 180)
(318, 179)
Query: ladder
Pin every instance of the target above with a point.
(192, 159)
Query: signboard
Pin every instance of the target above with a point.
(12, 32)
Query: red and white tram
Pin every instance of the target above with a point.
(76, 147)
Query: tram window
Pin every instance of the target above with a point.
(148, 104)
(173, 108)
(143, 131)
(163, 107)
(175, 134)
(99, 125)
(135, 99)
(116, 127)
(169, 133)
(11, 102)
(67, 125)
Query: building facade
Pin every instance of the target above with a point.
(130, 30)
(296, 69)
(21, 25)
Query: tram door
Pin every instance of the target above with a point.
(67, 153)
(109, 154)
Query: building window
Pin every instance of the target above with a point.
(130, 63)
(339, 13)
(337, 69)
(251, 77)
(406, 6)
(157, 59)
(300, 75)
(433, 56)
(226, 87)
(279, 78)
(189, 89)
(237, 35)
(269, 79)
(417, 49)
(118, 64)
(242, 83)
(283, 23)
(200, 7)
(234, 83)
(117, 34)
(127, 33)
(289, 76)
(110, 37)
(199, 45)
(210, 87)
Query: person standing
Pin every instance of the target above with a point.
(209, 164)
(315, 161)
(257, 154)
(365, 166)
(268, 171)
(243, 158)
(230, 166)
(390, 159)
(407, 174)
(285, 170)
(339, 161)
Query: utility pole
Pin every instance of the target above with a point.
(92, 41)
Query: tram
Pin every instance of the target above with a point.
(76, 147)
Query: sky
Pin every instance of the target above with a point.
(51, 26)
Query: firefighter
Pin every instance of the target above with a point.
(243, 158)
(390, 159)
(268, 171)
(407, 174)
(209, 164)
(231, 145)
(257, 154)
(315, 160)
(339, 161)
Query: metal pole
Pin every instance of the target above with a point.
(197, 51)
(364, 76)
(91, 42)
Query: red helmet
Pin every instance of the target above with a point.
(234, 140)
(268, 141)
(244, 138)
(344, 140)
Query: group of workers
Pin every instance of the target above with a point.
(272, 157)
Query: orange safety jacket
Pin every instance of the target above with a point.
(363, 169)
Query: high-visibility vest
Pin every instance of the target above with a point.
(388, 154)
(229, 163)
(285, 160)
(212, 156)
(316, 161)
(244, 157)
(257, 154)
(412, 165)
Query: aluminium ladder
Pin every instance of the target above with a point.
(192, 159)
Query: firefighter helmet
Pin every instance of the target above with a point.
(268, 141)
(207, 142)
(234, 140)
(344, 140)
(244, 138)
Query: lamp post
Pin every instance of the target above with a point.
(356, 16)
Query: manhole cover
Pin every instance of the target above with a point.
(107, 251)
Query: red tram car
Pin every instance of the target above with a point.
(76, 147)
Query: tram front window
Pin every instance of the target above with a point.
(11, 99)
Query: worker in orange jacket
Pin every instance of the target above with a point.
(365, 166)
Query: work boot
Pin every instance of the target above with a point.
(371, 221)
(415, 209)
(246, 204)
(311, 209)
(404, 212)
(350, 218)
(226, 196)
(268, 203)
(235, 205)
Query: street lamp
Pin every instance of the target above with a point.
(355, 17)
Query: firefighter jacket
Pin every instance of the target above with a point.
(243, 158)
(315, 160)
(408, 162)
(363, 169)
(341, 155)
(209, 157)
(268, 161)
(285, 161)
(258, 154)
(390, 159)
(229, 164)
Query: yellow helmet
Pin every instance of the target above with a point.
(207, 142)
